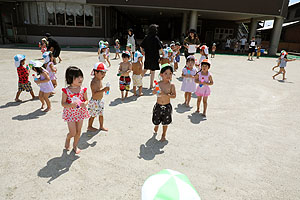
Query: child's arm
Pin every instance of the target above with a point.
(172, 95)
(98, 51)
(288, 60)
(197, 78)
(47, 78)
(95, 89)
(52, 68)
(64, 102)
(211, 82)
(85, 103)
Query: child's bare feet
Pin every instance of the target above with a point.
(197, 111)
(47, 110)
(77, 150)
(284, 79)
(273, 77)
(103, 129)
(141, 94)
(162, 139)
(34, 97)
(90, 128)
(134, 94)
(18, 100)
(42, 107)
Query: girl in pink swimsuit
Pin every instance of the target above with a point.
(74, 100)
(204, 79)
(49, 65)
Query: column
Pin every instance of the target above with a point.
(193, 20)
(184, 23)
(275, 37)
(253, 28)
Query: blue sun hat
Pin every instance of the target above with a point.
(102, 47)
(165, 53)
(46, 56)
(101, 43)
(18, 58)
(136, 56)
(169, 50)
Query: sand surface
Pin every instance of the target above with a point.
(247, 149)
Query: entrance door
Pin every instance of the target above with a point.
(209, 35)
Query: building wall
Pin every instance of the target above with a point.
(293, 13)
(292, 34)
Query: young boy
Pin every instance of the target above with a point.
(96, 104)
(177, 57)
(128, 48)
(213, 50)
(124, 70)
(165, 57)
(137, 69)
(24, 84)
(162, 111)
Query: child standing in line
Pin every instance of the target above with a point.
(204, 53)
(282, 65)
(102, 57)
(175, 52)
(96, 104)
(74, 100)
(107, 51)
(124, 70)
(23, 84)
(162, 111)
(171, 57)
(188, 82)
(137, 70)
(213, 50)
(165, 57)
(204, 79)
(177, 55)
(117, 48)
(48, 58)
(128, 48)
(46, 86)
(43, 46)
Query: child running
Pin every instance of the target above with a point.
(74, 100)
(282, 54)
(162, 111)
(137, 70)
(23, 84)
(96, 104)
(204, 79)
(117, 48)
(282, 65)
(46, 86)
(188, 82)
(49, 65)
(124, 70)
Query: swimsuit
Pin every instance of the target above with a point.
(162, 114)
(125, 83)
(96, 107)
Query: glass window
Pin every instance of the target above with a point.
(98, 16)
(217, 30)
(80, 20)
(26, 13)
(50, 13)
(41, 12)
(60, 13)
(33, 13)
(70, 20)
(89, 12)
(60, 19)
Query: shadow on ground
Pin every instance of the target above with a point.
(58, 166)
(151, 148)
(85, 137)
(182, 108)
(196, 118)
(118, 101)
(33, 115)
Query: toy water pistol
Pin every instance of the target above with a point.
(107, 85)
(202, 81)
(157, 87)
(34, 77)
(76, 100)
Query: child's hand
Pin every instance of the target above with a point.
(73, 105)
(154, 91)
(106, 89)
(82, 105)
(37, 81)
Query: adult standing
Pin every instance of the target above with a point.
(193, 41)
(53, 46)
(151, 45)
(252, 46)
(131, 39)
(243, 43)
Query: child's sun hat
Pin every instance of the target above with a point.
(100, 66)
(18, 58)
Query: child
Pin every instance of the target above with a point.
(107, 51)
(162, 111)
(177, 57)
(188, 82)
(282, 65)
(252, 46)
(117, 48)
(171, 57)
(48, 58)
(44, 45)
(46, 86)
(128, 48)
(236, 47)
(165, 57)
(24, 84)
(282, 54)
(74, 100)
(204, 79)
(124, 70)
(204, 53)
(137, 69)
(102, 54)
(96, 104)
(213, 50)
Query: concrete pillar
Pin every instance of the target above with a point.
(275, 37)
(253, 28)
(184, 23)
(193, 20)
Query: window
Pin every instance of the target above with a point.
(223, 33)
(89, 12)
(60, 13)
(98, 17)
(50, 13)
(33, 13)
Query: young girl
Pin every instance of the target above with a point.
(188, 82)
(46, 86)
(282, 54)
(74, 100)
(43, 46)
(48, 58)
(107, 53)
(282, 65)
(162, 111)
(102, 54)
(213, 50)
(117, 48)
(204, 79)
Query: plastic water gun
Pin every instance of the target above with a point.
(157, 87)
(76, 100)
(34, 77)
(119, 74)
(202, 81)
(107, 85)
(189, 72)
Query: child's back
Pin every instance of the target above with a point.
(137, 68)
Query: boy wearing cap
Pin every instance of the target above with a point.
(128, 48)
(96, 104)
(24, 84)
(124, 70)
(137, 69)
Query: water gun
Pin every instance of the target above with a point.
(157, 87)
(202, 80)
(107, 85)
(34, 77)
(119, 74)
(40, 45)
(189, 72)
(76, 100)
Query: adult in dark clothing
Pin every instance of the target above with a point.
(252, 46)
(151, 45)
(53, 46)
(192, 39)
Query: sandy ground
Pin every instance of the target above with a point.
(248, 148)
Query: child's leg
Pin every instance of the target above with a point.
(59, 59)
(198, 103)
(46, 98)
(155, 128)
(277, 73)
(204, 105)
(108, 62)
(77, 136)
(18, 95)
(249, 56)
(185, 98)
(126, 93)
(134, 90)
(54, 83)
(101, 120)
(32, 94)
(122, 93)
(72, 132)
(163, 137)
(189, 96)
(141, 91)
(41, 97)
(90, 124)
(283, 74)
